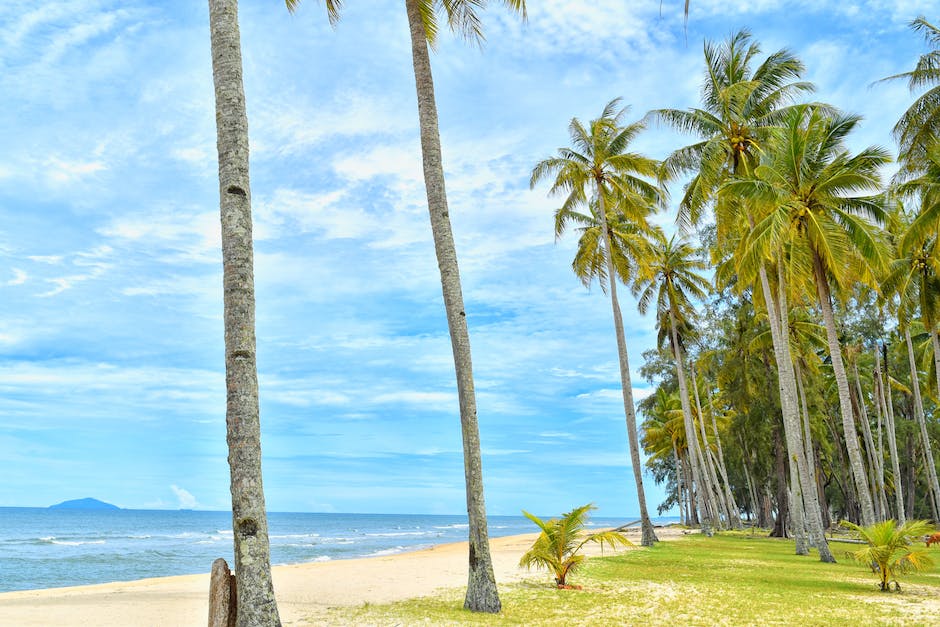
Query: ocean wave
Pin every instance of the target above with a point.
(295, 536)
(75, 542)
(457, 526)
(390, 551)
(395, 534)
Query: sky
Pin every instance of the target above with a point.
(111, 356)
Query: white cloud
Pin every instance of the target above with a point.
(61, 171)
(19, 277)
(185, 498)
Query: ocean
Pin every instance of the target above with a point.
(48, 548)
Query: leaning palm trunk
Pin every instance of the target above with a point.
(255, 592)
(786, 380)
(648, 534)
(679, 484)
(884, 390)
(877, 483)
(933, 487)
(729, 495)
(856, 464)
(481, 594)
(706, 509)
(720, 495)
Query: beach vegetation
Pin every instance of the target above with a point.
(732, 578)
(558, 547)
(892, 550)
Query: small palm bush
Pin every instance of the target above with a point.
(559, 545)
(892, 550)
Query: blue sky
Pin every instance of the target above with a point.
(111, 371)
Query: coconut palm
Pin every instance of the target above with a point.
(892, 550)
(463, 18)
(599, 174)
(672, 280)
(664, 435)
(919, 126)
(914, 280)
(740, 107)
(558, 547)
(805, 186)
(255, 604)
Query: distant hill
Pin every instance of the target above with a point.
(87, 503)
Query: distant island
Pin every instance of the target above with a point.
(87, 503)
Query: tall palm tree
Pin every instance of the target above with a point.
(599, 174)
(914, 278)
(463, 18)
(805, 186)
(741, 107)
(673, 280)
(664, 435)
(255, 592)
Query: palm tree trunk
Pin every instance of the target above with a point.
(884, 387)
(880, 452)
(877, 484)
(856, 464)
(777, 313)
(721, 495)
(705, 508)
(648, 533)
(482, 595)
(922, 423)
(729, 495)
(255, 602)
(679, 483)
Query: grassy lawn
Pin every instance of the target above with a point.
(730, 579)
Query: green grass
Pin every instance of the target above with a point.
(730, 579)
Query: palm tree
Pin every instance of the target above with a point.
(664, 435)
(672, 280)
(804, 184)
(599, 174)
(255, 592)
(462, 18)
(741, 109)
(919, 126)
(558, 547)
(891, 549)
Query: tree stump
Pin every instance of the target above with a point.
(222, 599)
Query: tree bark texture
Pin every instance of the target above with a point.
(482, 595)
(856, 464)
(256, 605)
(648, 536)
(222, 595)
(931, 470)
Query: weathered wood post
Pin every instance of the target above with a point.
(222, 599)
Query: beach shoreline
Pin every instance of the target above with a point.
(304, 591)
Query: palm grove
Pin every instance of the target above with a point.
(796, 385)
(798, 362)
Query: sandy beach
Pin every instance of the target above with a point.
(304, 591)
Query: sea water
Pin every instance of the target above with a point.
(46, 548)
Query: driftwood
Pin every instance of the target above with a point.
(222, 600)
(623, 528)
